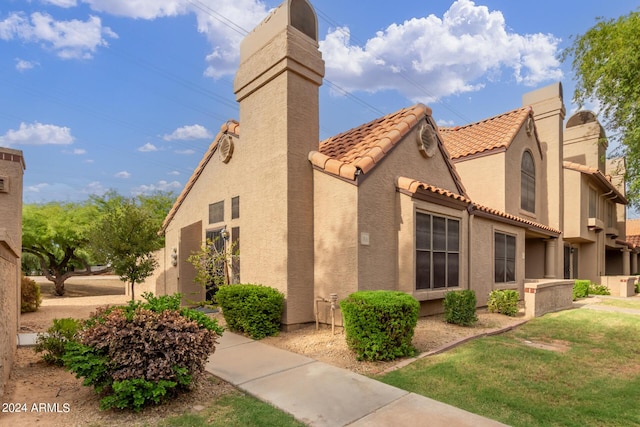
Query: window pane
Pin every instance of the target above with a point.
(439, 233)
(235, 207)
(423, 270)
(439, 269)
(216, 212)
(510, 274)
(452, 270)
(499, 246)
(511, 247)
(423, 231)
(499, 270)
(453, 232)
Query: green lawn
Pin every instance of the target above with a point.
(633, 304)
(235, 410)
(594, 382)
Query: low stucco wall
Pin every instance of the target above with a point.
(9, 294)
(620, 286)
(154, 283)
(543, 297)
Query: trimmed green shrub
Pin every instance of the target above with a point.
(143, 352)
(52, 343)
(581, 289)
(504, 302)
(253, 309)
(638, 287)
(379, 325)
(460, 307)
(595, 289)
(30, 298)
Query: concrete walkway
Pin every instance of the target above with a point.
(319, 394)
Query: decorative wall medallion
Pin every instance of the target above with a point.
(427, 140)
(225, 148)
(529, 126)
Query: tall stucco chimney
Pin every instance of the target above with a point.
(549, 112)
(277, 83)
(585, 141)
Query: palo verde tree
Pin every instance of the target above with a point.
(57, 235)
(127, 234)
(606, 67)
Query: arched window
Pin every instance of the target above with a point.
(527, 183)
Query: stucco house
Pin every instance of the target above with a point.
(381, 206)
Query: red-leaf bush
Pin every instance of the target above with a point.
(142, 352)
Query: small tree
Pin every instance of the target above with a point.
(212, 262)
(126, 238)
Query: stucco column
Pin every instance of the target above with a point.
(550, 252)
(626, 256)
(634, 262)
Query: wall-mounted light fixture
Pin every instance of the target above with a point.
(174, 257)
(224, 233)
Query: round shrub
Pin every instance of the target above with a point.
(460, 307)
(504, 302)
(253, 309)
(141, 353)
(52, 343)
(379, 325)
(30, 298)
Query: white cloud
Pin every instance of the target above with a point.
(445, 123)
(37, 134)
(140, 9)
(61, 3)
(187, 151)
(160, 186)
(189, 132)
(123, 175)
(68, 39)
(148, 147)
(79, 151)
(94, 187)
(174, 173)
(23, 65)
(428, 58)
(36, 188)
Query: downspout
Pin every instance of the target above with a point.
(470, 210)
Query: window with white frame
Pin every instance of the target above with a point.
(437, 252)
(504, 258)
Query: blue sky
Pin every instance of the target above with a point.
(128, 94)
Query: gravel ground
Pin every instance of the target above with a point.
(33, 381)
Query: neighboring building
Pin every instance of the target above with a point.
(378, 207)
(520, 154)
(11, 171)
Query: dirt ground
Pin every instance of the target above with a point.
(61, 400)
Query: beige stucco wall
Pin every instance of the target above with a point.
(156, 283)
(379, 210)
(482, 279)
(586, 144)
(11, 171)
(484, 179)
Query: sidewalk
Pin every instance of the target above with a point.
(319, 394)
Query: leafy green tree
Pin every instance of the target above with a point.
(606, 66)
(127, 236)
(57, 235)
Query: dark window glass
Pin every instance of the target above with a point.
(437, 252)
(235, 207)
(528, 183)
(505, 258)
(235, 255)
(216, 212)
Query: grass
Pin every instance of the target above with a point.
(595, 382)
(633, 304)
(235, 410)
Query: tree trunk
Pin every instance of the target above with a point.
(132, 295)
(59, 285)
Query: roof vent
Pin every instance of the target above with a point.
(4, 184)
(225, 147)
(427, 140)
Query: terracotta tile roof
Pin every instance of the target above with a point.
(231, 127)
(413, 186)
(634, 240)
(483, 137)
(604, 180)
(361, 148)
(358, 150)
